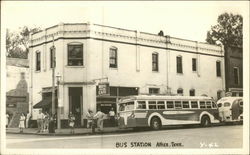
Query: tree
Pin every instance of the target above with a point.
(17, 43)
(227, 31)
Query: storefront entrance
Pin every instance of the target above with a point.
(75, 103)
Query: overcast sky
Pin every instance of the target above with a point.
(188, 20)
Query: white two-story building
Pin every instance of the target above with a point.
(129, 62)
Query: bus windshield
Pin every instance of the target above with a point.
(126, 106)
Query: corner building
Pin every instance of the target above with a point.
(131, 62)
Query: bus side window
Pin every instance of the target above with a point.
(202, 105)
(194, 104)
(177, 104)
(160, 105)
(151, 104)
(170, 104)
(141, 105)
(208, 104)
(185, 104)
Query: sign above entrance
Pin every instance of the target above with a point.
(103, 89)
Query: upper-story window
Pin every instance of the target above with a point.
(154, 90)
(179, 64)
(75, 55)
(194, 64)
(38, 61)
(113, 57)
(52, 54)
(192, 92)
(180, 91)
(155, 62)
(236, 75)
(218, 68)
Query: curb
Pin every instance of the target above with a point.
(68, 134)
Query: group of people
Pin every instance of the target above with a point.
(23, 121)
(93, 120)
(45, 122)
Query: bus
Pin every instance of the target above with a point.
(156, 111)
(230, 109)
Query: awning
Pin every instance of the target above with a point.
(46, 102)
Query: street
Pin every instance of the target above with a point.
(211, 137)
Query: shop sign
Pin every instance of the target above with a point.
(11, 105)
(103, 89)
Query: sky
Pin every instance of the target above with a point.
(187, 20)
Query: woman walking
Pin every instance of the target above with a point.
(21, 122)
(72, 122)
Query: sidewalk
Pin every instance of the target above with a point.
(66, 132)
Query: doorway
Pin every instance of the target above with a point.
(75, 103)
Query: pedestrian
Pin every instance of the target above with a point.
(46, 122)
(7, 120)
(21, 122)
(90, 120)
(78, 117)
(71, 122)
(112, 117)
(99, 116)
(40, 121)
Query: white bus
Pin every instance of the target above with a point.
(156, 111)
(231, 109)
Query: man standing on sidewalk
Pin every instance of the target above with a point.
(100, 116)
(40, 121)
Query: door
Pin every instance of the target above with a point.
(75, 104)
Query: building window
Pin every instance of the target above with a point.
(180, 91)
(113, 57)
(218, 69)
(75, 55)
(179, 64)
(52, 53)
(194, 64)
(154, 90)
(38, 61)
(192, 92)
(155, 62)
(236, 75)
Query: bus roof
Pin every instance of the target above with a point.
(162, 97)
(229, 99)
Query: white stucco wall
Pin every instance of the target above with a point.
(134, 62)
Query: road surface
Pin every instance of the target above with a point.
(211, 137)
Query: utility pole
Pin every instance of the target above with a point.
(53, 78)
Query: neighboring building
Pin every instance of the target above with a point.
(17, 97)
(234, 70)
(92, 57)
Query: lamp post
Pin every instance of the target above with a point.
(58, 78)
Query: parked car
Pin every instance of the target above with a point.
(230, 109)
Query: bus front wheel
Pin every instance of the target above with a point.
(155, 123)
(205, 121)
